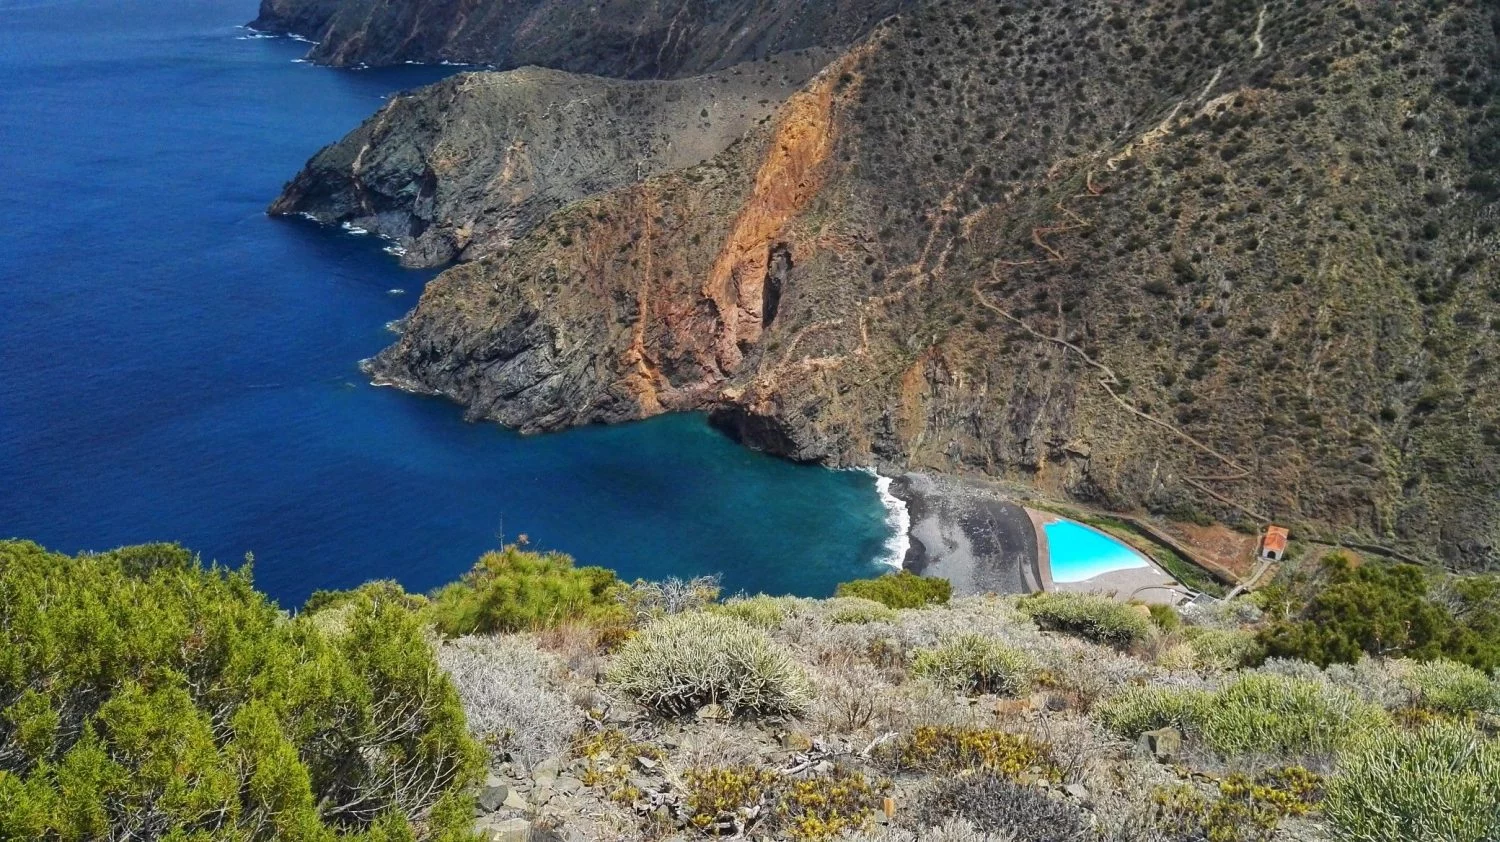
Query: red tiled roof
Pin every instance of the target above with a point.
(1274, 540)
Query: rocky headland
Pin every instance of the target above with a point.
(1229, 261)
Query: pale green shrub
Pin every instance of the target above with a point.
(1094, 617)
(1266, 714)
(682, 662)
(1451, 687)
(1440, 783)
(1255, 714)
(1136, 710)
(760, 610)
(1225, 649)
(975, 664)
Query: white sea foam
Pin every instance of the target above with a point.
(395, 292)
(395, 250)
(353, 229)
(898, 518)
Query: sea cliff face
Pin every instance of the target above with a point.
(468, 166)
(1227, 261)
(622, 38)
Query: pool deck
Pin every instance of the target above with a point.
(981, 540)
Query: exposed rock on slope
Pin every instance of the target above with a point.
(1203, 258)
(625, 38)
(465, 167)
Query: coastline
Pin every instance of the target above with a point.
(970, 533)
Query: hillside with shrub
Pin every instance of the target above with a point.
(1213, 259)
(143, 695)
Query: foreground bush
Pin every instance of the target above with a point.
(680, 663)
(1245, 810)
(974, 664)
(900, 590)
(941, 749)
(805, 810)
(142, 696)
(992, 804)
(510, 704)
(1453, 688)
(1097, 618)
(515, 590)
(1255, 714)
(760, 610)
(1440, 783)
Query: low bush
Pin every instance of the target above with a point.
(1225, 649)
(973, 664)
(853, 609)
(510, 704)
(1165, 617)
(1096, 618)
(992, 804)
(720, 801)
(1255, 714)
(900, 590)
(1136, 710)
(941, 749)
(760, 610)
(648, 600)
(1245, 809)
(682, 662)
(1265, 714)
(1439, 783)
(1452, 688)
(515, 590)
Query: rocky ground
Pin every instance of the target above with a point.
(575, 758)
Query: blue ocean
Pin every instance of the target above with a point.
(176, 366)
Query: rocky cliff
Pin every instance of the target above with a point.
(466, 167)
(621, 38)
(1211, 259)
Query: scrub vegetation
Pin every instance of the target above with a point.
(143, 694)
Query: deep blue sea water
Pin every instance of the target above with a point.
(176, 366)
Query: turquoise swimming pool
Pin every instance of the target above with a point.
(1078, 553)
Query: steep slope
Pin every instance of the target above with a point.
(465, 167)
(1205, 258)
(622, 38)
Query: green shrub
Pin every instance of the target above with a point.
(941, 749)
(1274, 714)
(760, 610)
(1097, 618)
(1225, 649)
(974, 664)
(1440, 783)
(1452, 688)
(142, 696)
(1136, 710)
(515, 590)
(1255, 714)
(1341, 612)
(682, 662)
(853, 609)
(1165, 617)
(900, 590)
